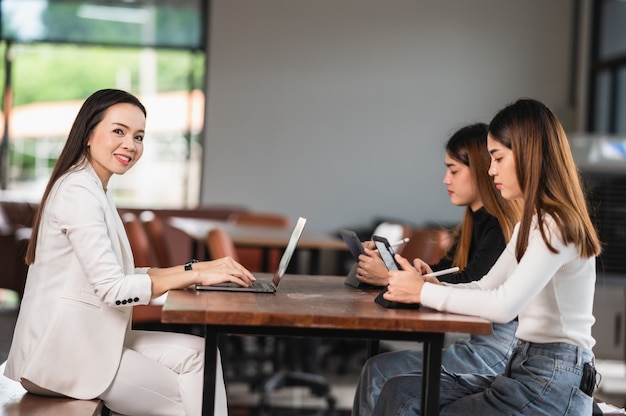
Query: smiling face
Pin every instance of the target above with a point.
(502, 168)
(461, 186)
(116, 143)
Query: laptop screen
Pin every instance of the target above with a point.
(289, 250)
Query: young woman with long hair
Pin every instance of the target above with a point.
(545, 277)
(73, 335)
(478, 242)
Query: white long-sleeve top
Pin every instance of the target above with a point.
(551, 293)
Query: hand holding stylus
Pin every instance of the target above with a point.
(406, 285)
(442, 272)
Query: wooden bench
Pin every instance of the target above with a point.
(16, 401)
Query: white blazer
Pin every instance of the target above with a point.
(79, 292)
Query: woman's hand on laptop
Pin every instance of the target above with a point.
(204, 272)
(223, 270)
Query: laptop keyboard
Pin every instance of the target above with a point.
(254, 284)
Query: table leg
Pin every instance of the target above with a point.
(431, 374)
(194, 248)
(265, 260)
(314, 260)
(373, 346)
(199, 250)
(210, 369)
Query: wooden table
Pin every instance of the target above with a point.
(316, 306)
(261, 237)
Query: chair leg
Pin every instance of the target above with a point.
(318, 385)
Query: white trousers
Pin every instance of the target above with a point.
(162, 374)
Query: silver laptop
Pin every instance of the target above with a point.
(265, 287)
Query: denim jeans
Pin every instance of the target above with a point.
(540, 379)
(479, 354)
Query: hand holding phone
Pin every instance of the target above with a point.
(356, 248)
(386, 252)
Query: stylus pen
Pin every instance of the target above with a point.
(397, 243)
(442, 272)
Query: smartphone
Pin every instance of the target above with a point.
(353, 242)
(386, 252)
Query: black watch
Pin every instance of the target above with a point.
(189, 263)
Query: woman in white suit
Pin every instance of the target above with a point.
(73, 335)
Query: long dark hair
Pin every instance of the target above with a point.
(75, 151)
(547, 175)
(469, 147)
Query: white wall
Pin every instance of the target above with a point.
(338, 110)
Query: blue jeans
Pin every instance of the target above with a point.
(479, 354)
(540, 379)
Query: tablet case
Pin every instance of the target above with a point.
(394, 305)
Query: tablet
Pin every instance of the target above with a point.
(353, 242)
(356, 249)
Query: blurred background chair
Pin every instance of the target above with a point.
(15, 228)
(144, 316)
(427, 243)
(267, 364)
(155, 230)
(138, 239)
(219, 244)
(253, 258)
(393, 231)
(260, 218)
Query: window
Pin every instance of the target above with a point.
(604, 164)
(153, 49)
(146, 23)
(607, 95)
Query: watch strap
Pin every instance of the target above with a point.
(188, 265)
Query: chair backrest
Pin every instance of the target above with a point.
(427, 243)
(253, 258)
(155, 229)
(5, 224)
(393, 232)
(261, 219)
(140, 245)
(139, 242)
(219, 244)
